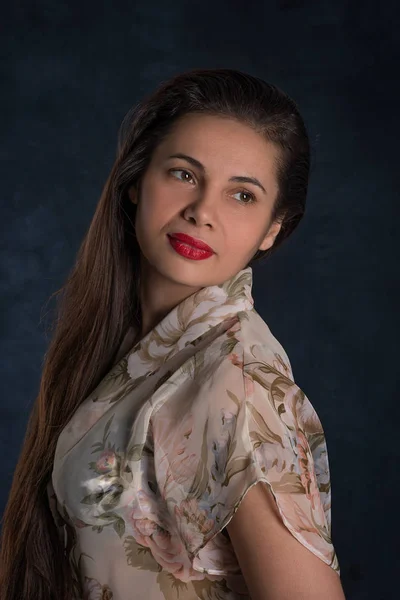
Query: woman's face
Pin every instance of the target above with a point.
(204, 202)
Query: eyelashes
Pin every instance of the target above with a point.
(181, 171)
(252, 197)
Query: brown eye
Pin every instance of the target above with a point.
(182, 171)
(250, 197)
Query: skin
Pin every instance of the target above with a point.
(205, 205)
(208, 206)
(275, 565)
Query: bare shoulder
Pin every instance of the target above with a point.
(275, 565)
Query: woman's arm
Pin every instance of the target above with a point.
(275, 565)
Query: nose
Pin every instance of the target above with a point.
(202, 209)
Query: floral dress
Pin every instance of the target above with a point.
(155, 462)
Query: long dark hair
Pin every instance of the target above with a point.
(99, 300)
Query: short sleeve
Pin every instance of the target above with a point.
(245, 421)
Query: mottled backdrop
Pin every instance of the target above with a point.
(71, 70)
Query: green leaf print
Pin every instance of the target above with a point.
(325, 487)
(139, 556)
(173, 588)
(315, 439)
(93, 498)
(234, 398)
(110, 516)
(120, 372)
(119, 526)
(201, 478)
(112, 496)
(236, 466)
(266, 368)
(107, 429)
(265, 432)
(108, 498)
(290, 483)
(276, 391)
(97, 447)
(228, 346)
(135, 453)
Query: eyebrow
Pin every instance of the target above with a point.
(199, 165)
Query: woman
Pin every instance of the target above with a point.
(170, 453)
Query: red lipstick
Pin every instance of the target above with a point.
(189, 247)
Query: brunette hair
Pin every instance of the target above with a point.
(99, 300)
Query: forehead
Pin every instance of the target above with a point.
(218, 140)
(197, 128)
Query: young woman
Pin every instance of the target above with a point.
(170, 453)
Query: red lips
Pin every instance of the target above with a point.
(188, 239)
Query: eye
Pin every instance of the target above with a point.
(249, 195)
(251, 199)
(181, 171)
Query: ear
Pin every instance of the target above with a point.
(269, 239)
(132, 194)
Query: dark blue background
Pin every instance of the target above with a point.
(70, 73)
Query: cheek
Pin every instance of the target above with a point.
(244, 231)
(154, 204)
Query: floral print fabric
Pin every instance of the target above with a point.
(155, 462)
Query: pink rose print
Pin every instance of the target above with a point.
(307, 477)
(305, 472)
(175, 464)
(151, 528)
(78, 523)
(93, 590)
(234, 358)
(248, 385)
(106, 461)
(183, 468)
(303, 524)
(193, 523)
